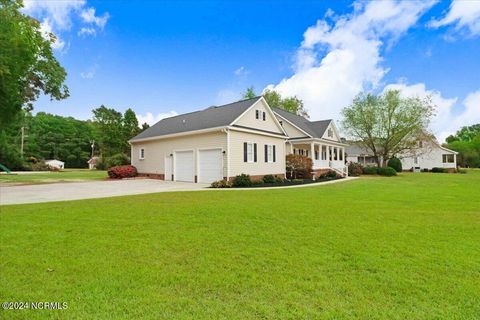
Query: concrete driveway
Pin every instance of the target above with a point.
(88, 190)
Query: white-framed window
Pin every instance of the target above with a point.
(270, 153)
(249, 152)
(330, 133)
(448, 158)
(141, 153)
(415, 160)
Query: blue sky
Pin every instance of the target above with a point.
(162, 58)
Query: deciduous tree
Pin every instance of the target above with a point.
(387, 124)
(27, 64)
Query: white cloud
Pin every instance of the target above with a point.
(463, 15)
(447, 120)
(57, 17)
(241, 72)
(340, 56)
(88, 16)
(151, 119)
(59, 12)
(46, 29)
(90, 72)
(87, 32)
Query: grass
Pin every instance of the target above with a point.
(67, 175)
(406, 247)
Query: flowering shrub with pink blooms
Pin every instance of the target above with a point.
(121, 172)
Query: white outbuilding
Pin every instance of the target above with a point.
(55, 164)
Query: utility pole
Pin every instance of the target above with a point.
(93, 147)
(22, 142)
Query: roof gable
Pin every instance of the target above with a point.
(312, 129)
(248, 119)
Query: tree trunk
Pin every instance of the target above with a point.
(379, 164)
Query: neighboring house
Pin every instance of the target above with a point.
(55, 164)
(93, 162)
(221, 142)
(428, 154)
(358, 153)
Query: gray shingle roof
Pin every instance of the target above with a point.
(314, 128)
(216, 116)
(356, 148)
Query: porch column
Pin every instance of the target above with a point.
(343, 154)
(291, 148)
(312, 151)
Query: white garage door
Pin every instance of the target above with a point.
(210, 163)
(184, 166)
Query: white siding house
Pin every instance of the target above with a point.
(242, 137)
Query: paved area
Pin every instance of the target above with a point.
(88, 190)
(103, 189)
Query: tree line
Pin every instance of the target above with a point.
(47, 136)
(466, 142)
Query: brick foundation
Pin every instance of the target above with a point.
(159, 176)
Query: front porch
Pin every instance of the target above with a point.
(324, 155)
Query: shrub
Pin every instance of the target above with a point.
(221, 184)
(355, 169)
(386, 171)
(328, 175)
(121, 172)
(463, 171)
(116, 160)
(439, 170)
(242, 180)
(298, 166)
(279, 179)
(258, 182)
(370, 170)
(395, 163)
(39, 166)
(269, 178)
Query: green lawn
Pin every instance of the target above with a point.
(67, 175)
(406, 247)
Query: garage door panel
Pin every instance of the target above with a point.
(184, 166)
(210, 163)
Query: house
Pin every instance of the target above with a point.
(427, 155)
(93, 162)
(221, 142)
(55, 164)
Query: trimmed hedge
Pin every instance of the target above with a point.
(221, 184)
(121, 172)
(269, 178)
(439, 170)
(386, 171)
(242, 180)
(395, 163)
(370, 170)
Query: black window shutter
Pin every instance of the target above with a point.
(266, 153)
(274, 155)
(264, 116)
(256, 114)
(244, 152)
(254, 152)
